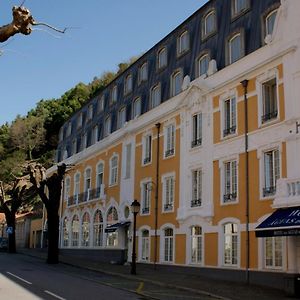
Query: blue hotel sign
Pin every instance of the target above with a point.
(283, 222)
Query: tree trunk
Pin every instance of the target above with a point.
(11, 222)
(53, 236)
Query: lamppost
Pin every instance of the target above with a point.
(135, 208)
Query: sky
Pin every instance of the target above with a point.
(45, 64)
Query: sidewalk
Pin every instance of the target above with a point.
(177, 280)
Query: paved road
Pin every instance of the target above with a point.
(29, 278)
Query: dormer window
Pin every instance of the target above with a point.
(209, 24)
(155, 96)
(128, 84)
(107, 126)
(162, 59)
(136, 109)
(270, 21)
(121, 117)
(238, 7)
(143, 73)
(90, 112)
(176, 83)
(79, 121)
(114, 94)
(236, 48)
(202, 64)
(183, 43)
(69, 129)
(100, 104)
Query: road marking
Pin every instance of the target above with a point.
(139, 289)
(54, 295)
(19, 278)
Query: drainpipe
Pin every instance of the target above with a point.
(245, 86)
(156, 195)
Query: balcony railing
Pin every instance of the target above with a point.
(168, 207)
(269, 116)
(197, 142)
(229, 130)
(287, 192)
(269, 191)
(145, 210)
(230, 197)
(196, 202)
(169, 152)
(147, 160)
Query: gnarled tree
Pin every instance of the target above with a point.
(49, 190)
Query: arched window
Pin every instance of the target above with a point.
(155, 96)
(107, 126)
(270, 21)
(176, 83)
(202, 64)
(67, 188)
(112, 237)
(85, 230)
(209, 24)
(75, 231)
(168, 245)
(65, 232)
(98, 229)
(76, 187)
(145, 256)
(136, 108)
(113, 178)
(230, 244)
(143, 72)
(162, 59)
(99, 179)
(128, 84)
(196, 244)
(235, 48)
(87, 184)
(183, 43)
(114, 94)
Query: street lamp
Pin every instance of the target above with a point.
(135, 208)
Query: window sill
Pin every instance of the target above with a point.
(269, 122)
(113, 184)
(204, 38)
(182, 54)
(229, 202)
(229, 136)
(236, 16)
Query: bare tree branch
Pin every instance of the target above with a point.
(51, 27)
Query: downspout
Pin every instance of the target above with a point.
(245, 86)
(156, 195)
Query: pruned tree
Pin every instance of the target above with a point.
(22, 23)
(12, 197)
(49, 190)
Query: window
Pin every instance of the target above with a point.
(147, 149)
(67, 189)
(145, 246)
(65, 241)
(143, 72)
(235, 48)
(90, 112)
(238, 6)
(209, 24)
(95, 134)
(230, 244)
(107, 126)
(196, 188)
(137, 108)
(127, 161)
(202, 65)
(168, 190)
(183, 43)
(197, 130)
(155, 96)
(229, 117)
(76, 188)
(196, 245)
(69, 129)
(273, 249)
(100, 104)
(114, 94)
(99, 179)
(168, 245)
(128, 84)
(169, 140)
(121, 117)
(113, 179)
(74, 146)
(84, 141)
(98, 229)
(146, 197)
(162, 58)
(270, 21)
(87, 184)
(271, 172)
(79, 121)
(85, 230)
(75, 231)
(176, 83)
(230, 181)
(112, 237)
(269, 100)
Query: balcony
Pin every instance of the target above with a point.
(287, 193)
(269, 116)
(169, 152)
(196, 203)
(269, 191)
(147, 160)
(197, 142)
(168, 207)
(230, 130)
(229, 197)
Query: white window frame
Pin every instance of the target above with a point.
(99, 185)
(168, 192)
(85, 239)
(145, 245)
(155, 101)
(98, 228)
(128, 84)
(274, 11)
(273, 241)
(95, 134)
(177, 74)
(74, 146)
(237, 235)
(196, 132)
(199, 250)
(181, 46)
(170, 240)
(143, 73)
(121, 117)
(128, 158)
(107, 126)
(146, 187)
(114, 94)
(77, 178)
(113, 170)
(230, 59)
(199, 71)
(205, 33)
(162, 63)
(234, 8)
(147, 142)
(100, 103)
(75, 242)
(196, 187)
(67, 189)
(169, 140)
(231, 115)
(87, 183)
(136, 113)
